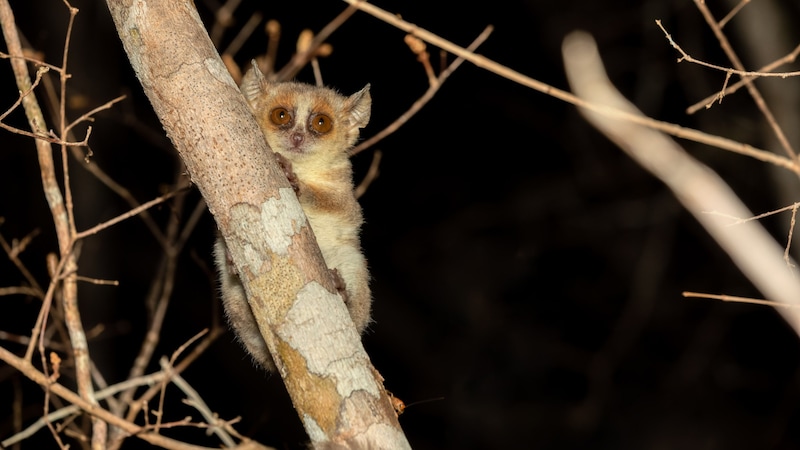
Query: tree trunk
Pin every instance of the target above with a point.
(337, 393)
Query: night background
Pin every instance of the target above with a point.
(527, 275)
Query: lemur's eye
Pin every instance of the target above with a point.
(280, 116)
(321, 123)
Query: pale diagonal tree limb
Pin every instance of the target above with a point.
(696, 186)
(337, 393)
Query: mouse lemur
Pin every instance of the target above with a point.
(311, 129)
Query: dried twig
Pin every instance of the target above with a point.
(709, 101)
(13, 255)
(196, 401)
(371, 175)
(300, 59)
(136, 406)
(735, 299)
(223, 19)
(134, 212)
(741, 72)
(88, 116)
(244, 33)
(733, 13)
(433, 87)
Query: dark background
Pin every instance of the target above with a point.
(524, 269)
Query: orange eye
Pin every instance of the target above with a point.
(321, 123)
(280, 116)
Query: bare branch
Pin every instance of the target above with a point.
(708, 101)
(196, 401)
(300, 59)
(733, 13)
(88, 115)
(434, 86)
(13, 255)
(735, 299)
(751, 87)
(134, 212)
(371, 175)
(243, 34)
(742, 73)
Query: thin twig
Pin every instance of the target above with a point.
(38, 79)
(141, 402)
(223, 19)
(38, 327)
(97, 281)
(733, 298)
(21, 290)
(244, 33)
(433, 87)
(736, 71)
(133, 212)
(371, 175)
(317, 71)
(751, 87)
(101, 176)
(34, 61)
(740, 220)
(62, 118)
(709, 101)
(40, 134)
(191, 223)
(733, 13)
(167, 367)
(786, 256)
(300, 59)
(196, 401)
(69, 289)
(273, 30)
(13, 255)
(88, 116)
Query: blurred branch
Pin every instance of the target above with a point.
(300, 59)
(697, 187)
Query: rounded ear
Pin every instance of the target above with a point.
(254, 82)
(359, 106)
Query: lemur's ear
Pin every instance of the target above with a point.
(253, 82)
(359, 105)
